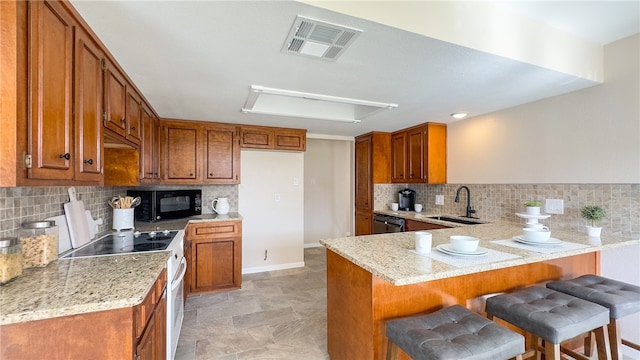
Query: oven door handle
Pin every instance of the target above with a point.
(178, 279)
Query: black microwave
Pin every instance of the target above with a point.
(166, 204)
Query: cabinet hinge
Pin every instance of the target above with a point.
(104, 65)
(104, 116)
(28, 161)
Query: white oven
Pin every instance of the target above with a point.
(176, 270)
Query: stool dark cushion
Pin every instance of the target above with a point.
(454, 333)
(621, 298)
(548, 314)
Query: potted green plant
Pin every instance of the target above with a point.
(593, 213)
(533, 207)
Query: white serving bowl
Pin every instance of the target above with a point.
(537, 235)
(464, 243)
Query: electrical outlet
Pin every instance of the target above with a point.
(296, 181)
(554, 206)
(276, 197)
(439, 199)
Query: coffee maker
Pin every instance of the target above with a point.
(406, 199)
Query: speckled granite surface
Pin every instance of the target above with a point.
(78, 286)
(180, 224)
(390, 256)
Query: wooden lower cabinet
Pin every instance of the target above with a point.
(214, 256)
(125, 333)
(413, 225)
(364, 222)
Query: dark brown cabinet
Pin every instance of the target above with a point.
(273, 138)
(214, 256)
(419, 154)
(371, 167)
(414, 225)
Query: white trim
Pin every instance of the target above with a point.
(312, 245)
(258, 269)
(330, 137)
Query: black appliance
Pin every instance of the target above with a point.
(126, 242)
(406, 199)
(383, 224)
(166, 204)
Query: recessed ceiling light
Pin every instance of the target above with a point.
(459, 115)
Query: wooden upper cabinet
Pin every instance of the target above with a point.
(222, 158)
(182, 152)
(149, 146)
(50, 142)
(273, 138)
(115, 100)
(398, 157)
(419, 154)
(88, 108)
(133, 108)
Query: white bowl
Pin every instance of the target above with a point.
(464, 243)
(536, 235)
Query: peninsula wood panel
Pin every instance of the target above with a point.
(413, 225)
(359, 303)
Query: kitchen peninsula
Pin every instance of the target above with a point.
(374, 278)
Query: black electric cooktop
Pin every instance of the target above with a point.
(125, 242)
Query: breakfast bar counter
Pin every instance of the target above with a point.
(373, 278)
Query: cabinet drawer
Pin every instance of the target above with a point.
(216, 229)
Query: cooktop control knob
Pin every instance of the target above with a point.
(136, 233)
(166, 232)
(152, 234)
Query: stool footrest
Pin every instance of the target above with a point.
(631, 345)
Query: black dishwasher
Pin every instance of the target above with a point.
(383, 224)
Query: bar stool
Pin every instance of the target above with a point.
(620, 298)
(454, 333)
(553, 317)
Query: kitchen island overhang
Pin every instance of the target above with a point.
(373, 278)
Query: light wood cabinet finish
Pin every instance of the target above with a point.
(273, 138)
(214, 256)
(419, 154)
(115, 100)
(371, 166)
(50, 39)
(182, 155)
(222, 154)
(359, 303)
(123, 333)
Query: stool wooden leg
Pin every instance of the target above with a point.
(392, 350)
(615, 339)
(589, 342)
(551, 351)
(604, 350)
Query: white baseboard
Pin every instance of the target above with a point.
(258, 269)
(312, 245)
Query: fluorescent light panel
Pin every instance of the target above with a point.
(271, 101)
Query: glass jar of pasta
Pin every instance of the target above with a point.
(39, 242)
(10, 260)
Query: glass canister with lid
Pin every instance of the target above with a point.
(10, 260)
(39, 242)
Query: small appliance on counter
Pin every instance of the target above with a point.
(167, 204)
(406, 200)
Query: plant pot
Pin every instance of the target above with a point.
(594, 231)
(533, 210)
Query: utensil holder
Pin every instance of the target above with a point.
(122, 219)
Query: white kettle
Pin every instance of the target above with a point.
(222, 206)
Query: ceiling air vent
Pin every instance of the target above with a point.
(318, 39)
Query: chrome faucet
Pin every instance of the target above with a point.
(470, 210)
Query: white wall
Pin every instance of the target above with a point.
(275, 226)
(328, 195)
(587, 136)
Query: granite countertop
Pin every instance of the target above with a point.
(78, 286)
(392, 257)
(425, 217)
(181, 224)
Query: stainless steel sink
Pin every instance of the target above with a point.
(456, 220)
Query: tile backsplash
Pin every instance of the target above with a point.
(500, 202)
(22, 204)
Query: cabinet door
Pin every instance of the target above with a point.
(115, 100)
(398, 157)
(132, 116)
(160, 315)
(213, 264)
(222, 155)
(436, 147)
(182, 154)
(88, 109)
(290, 139)
(149, 146)
(255, 137)
(363, 172)
(145, 350)
(415, 155)
(50, 41)
(363, 223)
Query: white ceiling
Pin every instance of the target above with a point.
(197, 60)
